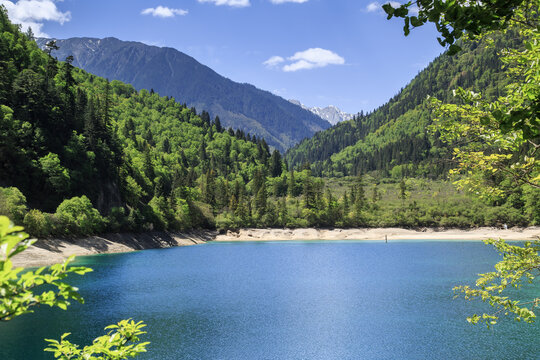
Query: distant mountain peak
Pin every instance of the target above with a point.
(331, 113)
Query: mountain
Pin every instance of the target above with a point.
(393, 139)
(173, 73)
(331, 113)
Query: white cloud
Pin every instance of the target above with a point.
(299, 65)
(313, 58)
(274, 61)
(164, 12)
(304, 60)
(234, 3)
(32, 13)
(286, 1)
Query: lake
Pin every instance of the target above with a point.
(286, 300)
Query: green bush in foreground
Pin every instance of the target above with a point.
(20, 294)
(121, 342)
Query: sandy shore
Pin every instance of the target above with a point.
(530, 233)
(50, 251)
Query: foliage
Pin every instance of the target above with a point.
(121, 342)
(454, 19)
(18, 288)
(12, 203)
(498, 141)
(520, 264)
(38, 223)
(57, 175)
(78, 216)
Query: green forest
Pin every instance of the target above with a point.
(80, 155)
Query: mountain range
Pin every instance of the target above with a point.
(331, 113)
(173, 73)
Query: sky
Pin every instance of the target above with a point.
(320, 52)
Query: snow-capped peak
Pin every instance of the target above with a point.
(331, 113)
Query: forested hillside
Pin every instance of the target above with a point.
(173, 73)
(394, 138)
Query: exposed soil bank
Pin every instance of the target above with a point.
(51, 251)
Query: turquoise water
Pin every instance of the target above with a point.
(286, 300)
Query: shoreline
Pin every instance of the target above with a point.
(51, 251)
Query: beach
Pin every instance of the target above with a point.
(477, 234)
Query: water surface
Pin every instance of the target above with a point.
(286, 300)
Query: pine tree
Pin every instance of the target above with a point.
(403, 190)
(261, 201)
(309, 191)
(217, 122)
(375, 195)
(276, 165)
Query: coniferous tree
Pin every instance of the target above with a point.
(261, 201)
(217, 122)
(276, 165)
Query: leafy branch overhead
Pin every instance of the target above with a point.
(520, 264)
(498, 138)
(456, 18)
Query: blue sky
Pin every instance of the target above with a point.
(321, 52)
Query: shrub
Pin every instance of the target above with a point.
(12, 204)
(78, 216)
(38, 224)
(226, 221)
